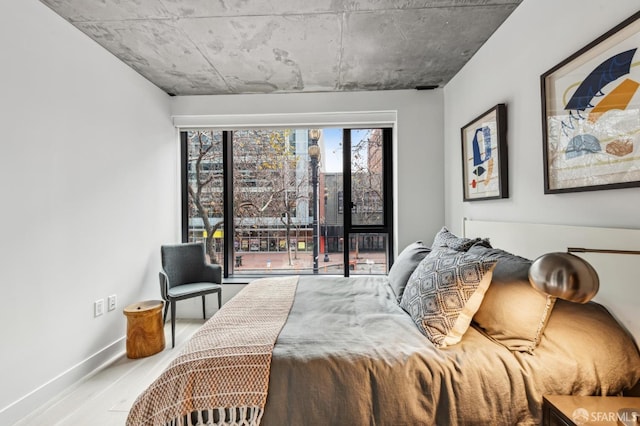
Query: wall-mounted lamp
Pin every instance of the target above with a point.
(565, 276)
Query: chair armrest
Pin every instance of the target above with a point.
(164, 285)
(212, 273)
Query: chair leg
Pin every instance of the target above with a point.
(173, 323)
(219, 299)
(204, 315)
(166, 309)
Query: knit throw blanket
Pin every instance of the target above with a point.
(222, 375)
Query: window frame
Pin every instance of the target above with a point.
(387, 188)
(228, 191)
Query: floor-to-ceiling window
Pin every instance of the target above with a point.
(289, 201)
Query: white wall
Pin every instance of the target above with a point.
(417, 155)
(88, 182)
(537, 36)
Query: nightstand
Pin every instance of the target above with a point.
(145, 328)
(567, 410)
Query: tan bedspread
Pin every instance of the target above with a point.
(222, 375)
(349, 355)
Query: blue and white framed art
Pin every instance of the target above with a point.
(484, 156)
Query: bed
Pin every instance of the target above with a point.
(350, 351)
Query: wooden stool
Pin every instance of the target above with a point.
(145, 330)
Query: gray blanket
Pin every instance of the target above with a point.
(349, 355)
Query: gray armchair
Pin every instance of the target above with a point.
(185, 274)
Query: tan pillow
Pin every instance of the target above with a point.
(587, 335)
(444, 292)
(512, 312)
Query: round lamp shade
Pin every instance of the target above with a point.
(314, 134)
(565, 276)
(314, 151)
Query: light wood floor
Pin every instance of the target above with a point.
(105, 397)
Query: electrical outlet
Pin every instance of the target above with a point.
(112, 302)
(98, 307)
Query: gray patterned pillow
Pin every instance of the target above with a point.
(444, 292)
(444, 238)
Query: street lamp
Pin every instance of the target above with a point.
(314, 155)
(326, 245)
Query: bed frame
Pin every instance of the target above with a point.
(615, 257)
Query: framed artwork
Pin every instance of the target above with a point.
(591, 115)
(484, 156)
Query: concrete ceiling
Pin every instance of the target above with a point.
(202, 47)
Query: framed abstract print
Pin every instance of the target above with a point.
(484, 156)
(591, 115)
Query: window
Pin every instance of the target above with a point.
(273, 201)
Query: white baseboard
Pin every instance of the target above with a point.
(37, 398)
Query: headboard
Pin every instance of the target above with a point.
(619, 279)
